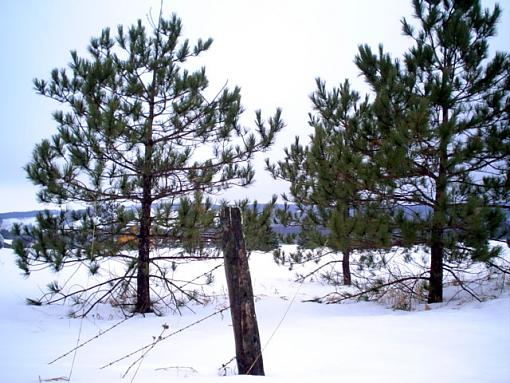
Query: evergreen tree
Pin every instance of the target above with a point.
(330, 180)
(136, 134)
(443, 136)
(424, 160)
(257, 220)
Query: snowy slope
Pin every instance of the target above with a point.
(349, 342)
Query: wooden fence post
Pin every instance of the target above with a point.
(240, 291)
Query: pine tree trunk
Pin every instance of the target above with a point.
(438, 222)
(436, 270)
(346, 267)
(143, 300)
(436, 250)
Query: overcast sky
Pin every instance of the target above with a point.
(272, 49)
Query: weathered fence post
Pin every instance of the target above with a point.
(240, 291)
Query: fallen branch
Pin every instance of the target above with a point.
(462, 284)
(372, 289)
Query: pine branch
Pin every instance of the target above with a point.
(365, 292)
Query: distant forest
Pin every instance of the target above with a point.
(278, 228)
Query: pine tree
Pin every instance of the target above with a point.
(443, 136)
(257, 220)
(330, 178)
(137, 138)
(425, 159)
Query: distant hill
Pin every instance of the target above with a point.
(19, 214)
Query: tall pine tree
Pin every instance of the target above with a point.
(136, 134)
(425, 160)
(443, 137)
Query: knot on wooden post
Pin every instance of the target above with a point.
(240, 291)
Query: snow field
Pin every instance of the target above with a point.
(462, 341)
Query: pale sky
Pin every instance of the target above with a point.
(272, 49)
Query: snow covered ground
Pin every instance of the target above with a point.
(462, 341)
